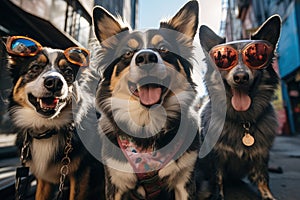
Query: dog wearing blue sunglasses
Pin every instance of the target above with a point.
(41, 110)
(240, 103)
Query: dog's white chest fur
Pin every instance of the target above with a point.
(42, 152)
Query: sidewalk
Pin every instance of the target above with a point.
(284, 185)
(286, 154)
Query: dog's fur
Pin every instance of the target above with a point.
(5, 86)
(163, 57)
(49, 76)
(230, 157)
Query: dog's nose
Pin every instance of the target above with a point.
(146, 57)
(53, 83)
(241, 77)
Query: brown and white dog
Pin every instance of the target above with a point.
(247, 85)
(41, 110)
(145, 98)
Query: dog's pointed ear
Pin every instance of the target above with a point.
(208, 38)
(269, 30)
(105, 24)
(185, 20)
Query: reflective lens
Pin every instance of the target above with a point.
(225, 57)
(78, 56)
(22, 46)
(256, 55)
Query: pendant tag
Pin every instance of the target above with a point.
(248, 140)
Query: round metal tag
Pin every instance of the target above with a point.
(248, 140)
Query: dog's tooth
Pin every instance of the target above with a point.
(41, 103)
(38, 100)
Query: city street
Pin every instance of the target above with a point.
(286, 154)
(51, 50)
(284, 171)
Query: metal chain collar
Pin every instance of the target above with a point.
(64, 170)
(65, 161)
(22, 173)
(25, 151)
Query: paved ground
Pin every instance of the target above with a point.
(285, 185)
(286, 154)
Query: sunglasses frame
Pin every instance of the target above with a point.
(242, 52)
(13, 38)
(67, 55)
(40, 47)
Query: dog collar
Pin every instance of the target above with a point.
(45, 135)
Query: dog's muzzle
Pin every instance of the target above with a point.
(49, 101)
(148, 78)
(240, 99)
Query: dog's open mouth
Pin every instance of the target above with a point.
(240, 100)
(46, 106)
(149, 93)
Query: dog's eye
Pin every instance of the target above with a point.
(35, 68)
(128, 54)
(163, 49)
(68, 72)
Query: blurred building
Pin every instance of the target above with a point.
(230, 25)
(59, 23)
(54, 23)
(251, 14)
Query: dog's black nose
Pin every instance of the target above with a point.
(241, 77)
(53, 83)
(146, 57)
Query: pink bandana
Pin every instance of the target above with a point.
(143, 160)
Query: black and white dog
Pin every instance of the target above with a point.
(145, 96)
(41, 110)
(250, 123)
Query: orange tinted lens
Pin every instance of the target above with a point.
(257, 55)
(78, 56)
(224, 57)
(23, 46)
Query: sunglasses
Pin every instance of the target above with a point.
(25, 46)
(255, 54)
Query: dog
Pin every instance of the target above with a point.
(246, 88)
(148, 123)
(41, 110)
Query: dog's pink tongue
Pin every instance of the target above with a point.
(240, 101)
(49, 103)
(149, 95)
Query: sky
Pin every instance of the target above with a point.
(151, 12)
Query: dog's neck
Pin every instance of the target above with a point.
(44, 133)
